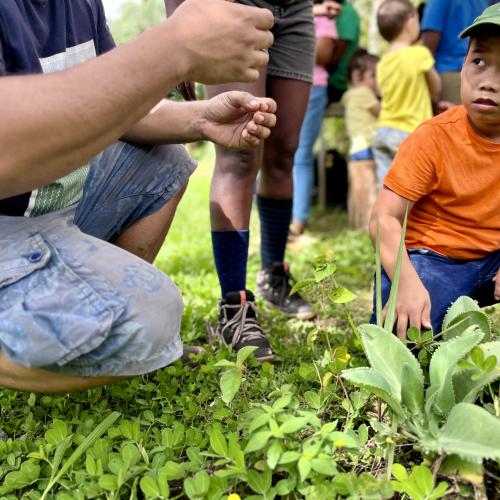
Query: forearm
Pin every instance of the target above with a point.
(65, 118)
(434, 84)
(169, 122)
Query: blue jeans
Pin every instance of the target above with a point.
(447, 279)
(385, 146)
(71, 302)
(303, 168)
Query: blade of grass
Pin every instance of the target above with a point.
(391, 303)
(84, 446)
(378, 278)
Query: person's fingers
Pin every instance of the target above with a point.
(249, 75)
(258, 130)
(263, 18)
(250, 139)
(426, 316)
(402, 325)
(264, 40)
(267, 104)
(258, 59)
(265, 119)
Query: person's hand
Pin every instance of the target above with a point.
(221, 42)
(328, 8)
(413, 306)
(238, 120)
(496, 279)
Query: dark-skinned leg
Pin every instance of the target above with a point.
(230, 206)
(275, 192)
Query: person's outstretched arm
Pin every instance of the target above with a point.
(51, 124)
(413, 306)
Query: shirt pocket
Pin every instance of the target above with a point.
(49, 315)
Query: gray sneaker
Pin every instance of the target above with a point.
(238, 327)
(274, 284)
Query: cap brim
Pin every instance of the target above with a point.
(467, 31)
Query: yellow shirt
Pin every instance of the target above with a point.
(406, 101)
(359, 120)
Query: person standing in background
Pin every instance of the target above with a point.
(442, 23)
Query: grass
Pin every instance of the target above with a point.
(173, 436)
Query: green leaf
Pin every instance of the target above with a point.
(108, 482)
(28, 473)
(258, 441)
(289, 457)
(274, 453)
(260, 483)
(304, 465)
(282, 402)
(461, 305)
(399, 472)
(470, 432)
(218, 442)
(197, 487)
(57, 432)
(324, 270)
(312, 399)
(173, 470)
(300, 285)
(372, 381)
(477, 356)
(466, 389)
(472, 472)
(444, 362)
(325, 466)
(423, 477)
(244, 353)
(293, 424)
(230, 384)
(342, 296)
(285, 486)
(149, 487)
(391, 302)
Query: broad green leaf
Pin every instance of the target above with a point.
(149, 487)
(293, 424)
(399, 472)
(28, 473)
(197, 487)
(312, 399)
(423, 477)
(472, 472)
(461, 305)
(325, 466)
(274, 453)
(260, 483)
(257, 441)
(342, 296)
(470, 432)
(218, 442)
(259, 421)
(300, 285)
(466, 389)
(230, 384)
(285, 486)
(235, 453)
(324, 270)
(108, 482)
(444, 362)
(173, 470)
(477, 319)
(244, 353)
(371, 381)
(282, 402)
(57, 432)
(304, 465)
(289, 457)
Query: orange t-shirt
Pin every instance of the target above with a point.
(453, 175)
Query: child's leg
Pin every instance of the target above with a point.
(362, 192)
(445, 279)
(385, 146)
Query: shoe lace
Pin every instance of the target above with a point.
(244, 327)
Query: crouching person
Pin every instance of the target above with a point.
(447, 173)
(83, 214)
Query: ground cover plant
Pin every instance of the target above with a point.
(312, 425)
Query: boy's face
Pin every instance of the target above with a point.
(481, 85)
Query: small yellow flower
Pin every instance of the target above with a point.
(339, 443)
(389, 440)
(234, 496)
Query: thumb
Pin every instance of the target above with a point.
(243, 100)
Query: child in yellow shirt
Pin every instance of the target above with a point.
(406, 79)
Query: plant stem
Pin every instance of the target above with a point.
(389, 456)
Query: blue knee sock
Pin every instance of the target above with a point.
(275, 216)
(231, 255)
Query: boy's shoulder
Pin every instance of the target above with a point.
(449, 121)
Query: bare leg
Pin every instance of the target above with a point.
(19, 377)
(145, 237)
(234, 176)
(292, 97)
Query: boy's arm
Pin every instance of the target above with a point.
(413, 304)
(434, 84)
(496, 279)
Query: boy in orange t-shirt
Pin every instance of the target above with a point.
(448, 175)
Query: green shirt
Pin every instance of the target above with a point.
(348, 29)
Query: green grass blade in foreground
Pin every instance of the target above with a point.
(86, 444)
(378, 278)
(391, 303)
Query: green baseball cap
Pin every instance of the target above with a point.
(490, 16)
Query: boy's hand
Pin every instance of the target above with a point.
(221, 42)
(238, 120)
(328, 8)
(413, 306)
(496, 279)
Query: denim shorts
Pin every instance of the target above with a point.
(71, 302)
(385, 146)
(447, 279)
(294, 50)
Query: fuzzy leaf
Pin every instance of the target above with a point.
(466, 389)
(443, 364)
(388, 356)
(470, 432)
(461, 305)
(478, 319)
(371, 381)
